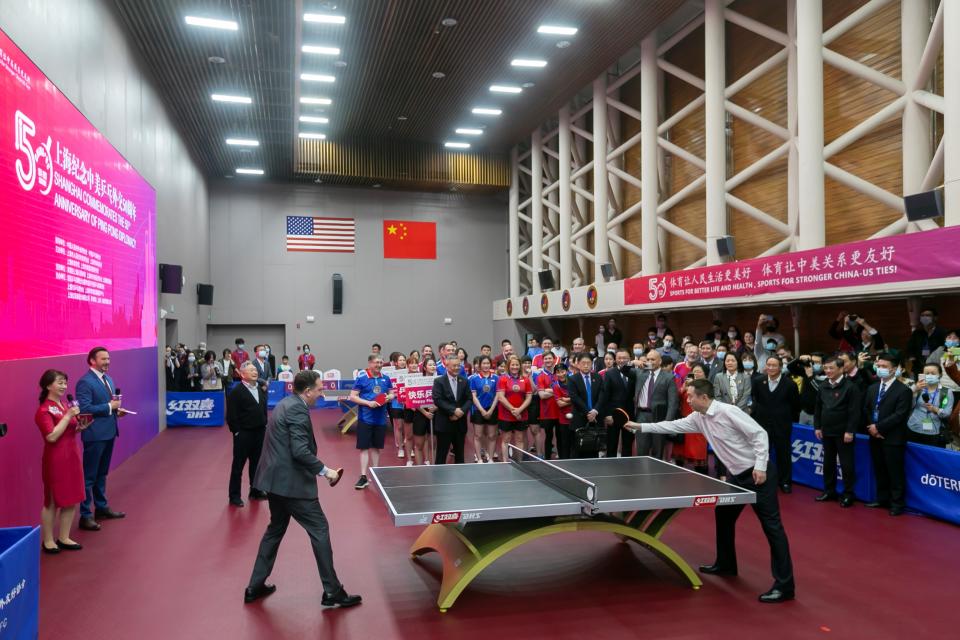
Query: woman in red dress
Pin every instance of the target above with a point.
(63, 487)
(693, 449)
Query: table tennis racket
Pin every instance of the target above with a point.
(624, 413)
(334, 482)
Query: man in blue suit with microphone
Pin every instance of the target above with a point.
(99, 397)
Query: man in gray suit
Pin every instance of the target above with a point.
(656, 399)
(288, 472)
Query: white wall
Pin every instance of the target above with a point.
(398, 303)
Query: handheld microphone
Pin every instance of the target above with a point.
(117, 394)
(925, 396)
(71, 401)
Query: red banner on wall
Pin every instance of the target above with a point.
(925, 255)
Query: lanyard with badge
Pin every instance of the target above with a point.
(927, 425)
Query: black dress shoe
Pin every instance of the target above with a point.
(896, 511)
(237, 502)
(786, 488)
(878, 504)
(716, 570)
(252, 594)
(109, 514)
(258, 495)
(51, 550)
(89, 524)
(340, 599)
(66, 546)
(846, 502)
(775, 595)
(826, 496)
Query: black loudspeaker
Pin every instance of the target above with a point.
(546, 280)
(337, 294)
(205, 294)
(171, 278)
(725, 247)
(922, 206)
(607, 270)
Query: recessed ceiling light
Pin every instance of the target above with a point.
(324, 18)
(401, 117)
(438, 74)
(243, 142)
(502, 88)
(554, 30)
(216, 60)
(250, 172)
(376, 185)
(324, 51)
(563, 44)
(211, 23)
(316, 119)
(221, 97)
(316, 77)
(524, 62)
(310, 100)
(484, 111)
(340, 63)
(312, 136)
(470, 132)
(449, 22)
(527, 85)
(457, 145)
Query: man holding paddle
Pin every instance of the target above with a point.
(742, 445)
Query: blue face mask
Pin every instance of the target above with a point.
(931, 378)
(748, 365)
(817, 367)
(951, 344)
(883, 373)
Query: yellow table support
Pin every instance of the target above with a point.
(468, 549)
(348, 419)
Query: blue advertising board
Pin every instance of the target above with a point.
(20, 583)
(197, 409)
(808, 463)
(933, 481)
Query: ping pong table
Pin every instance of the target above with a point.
(476, 513)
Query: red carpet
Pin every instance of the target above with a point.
(177, 565)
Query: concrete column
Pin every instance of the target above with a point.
(649, 161)
(601, 246)
(566, 198)
(811, 223)
(514, 224)
(536, 209)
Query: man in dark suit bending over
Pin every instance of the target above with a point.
(247, 419)
(288, 473)
(451, 395)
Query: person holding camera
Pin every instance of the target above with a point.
(855, 334)
(766, 339)
(809, 369)
(62, 468)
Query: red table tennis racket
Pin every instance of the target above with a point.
(334, 482)
(625, 414)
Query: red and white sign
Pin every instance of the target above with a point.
(449, 517)
(419, 391)
(879, 261)
(705, 501)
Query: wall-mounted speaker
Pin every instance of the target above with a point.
(725, 247)
(171, 278)
(546, 280)
(923, 206)
(205, 294)
(607, 270)
(337, 294)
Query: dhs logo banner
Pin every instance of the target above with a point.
(807, 454)
(204, 409)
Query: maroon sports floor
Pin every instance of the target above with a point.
(177, 565)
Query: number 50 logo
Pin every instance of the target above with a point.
(36, 167)
(657, 287)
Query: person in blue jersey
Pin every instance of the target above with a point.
(483, 386)
(372, 393)
(447, 349)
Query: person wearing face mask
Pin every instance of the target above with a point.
(192, 373)
(307, 361)
(226, 368)
(939, 355)
(886, 409)
(716, 333)
(239, 356)
(767, 338)
(616, 392)
(668, 348)
(170, 366)
(855, 334)
(925, 339)
(750, 368)
(639, 359)
(835, 422)
(809, 369)
(210, 373)
(264, 372)
(734, 339)
(931, 409)
(272, 360)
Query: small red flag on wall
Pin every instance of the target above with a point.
(406, 239)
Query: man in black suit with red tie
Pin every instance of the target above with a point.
(247, 419)
(451, 395)
(886, 409)
(584, 390)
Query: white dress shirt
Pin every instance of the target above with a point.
(735, 437)
(252, 388)
(773, 384)
(734, 392)
(643, 402)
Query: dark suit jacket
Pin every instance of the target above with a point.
(616, 392)
(777, 409)
(243, 413)
(578, 397)
(838, 408)
(288, 464)
(665, 403)
(447, 403)
(94, 399)
(893, 412)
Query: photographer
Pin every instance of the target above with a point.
(809, 368)
(766, 338)
(858, 335)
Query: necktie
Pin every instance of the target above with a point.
(107, 385)
(882, 392)
(586, 383)
(651, 379)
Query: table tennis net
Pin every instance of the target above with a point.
(552, 475)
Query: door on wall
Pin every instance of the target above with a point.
(224, 336)
(171, 333)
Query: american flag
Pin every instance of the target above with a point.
(330, 235)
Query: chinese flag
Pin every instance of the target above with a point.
(406, 239)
